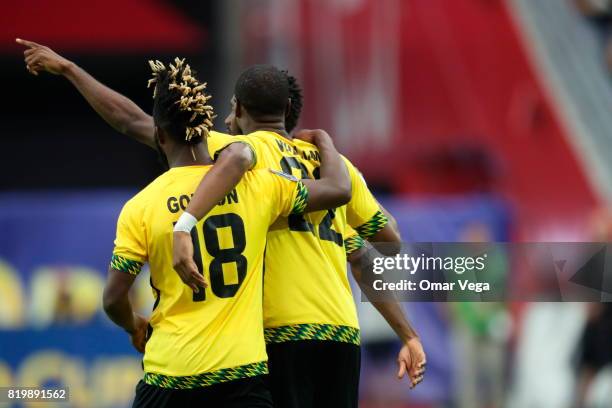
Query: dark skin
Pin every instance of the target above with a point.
(411, 358)
(127, 118)
(119, 309)
(240, 122)
(117, 110)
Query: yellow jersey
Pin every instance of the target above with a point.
(307, 295)
(216, 335)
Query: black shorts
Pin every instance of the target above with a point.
(249, 392)
(314, 374)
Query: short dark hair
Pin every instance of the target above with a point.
(180, 102)
(263, 90)
(295, 93)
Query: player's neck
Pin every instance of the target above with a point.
(276, 127)
(190, 156)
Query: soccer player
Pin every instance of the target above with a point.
(298, 251)
(204, 348)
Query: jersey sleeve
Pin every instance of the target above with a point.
(217, 142)
(289, 194)
(352, 241)
(130, 252)
(363, 212)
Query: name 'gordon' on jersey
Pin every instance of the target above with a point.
(180, 203)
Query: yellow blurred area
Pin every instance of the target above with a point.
(67, 295)
(71, 293)
(108, 382)
(11, 297)
(5, 375)
(59, 294)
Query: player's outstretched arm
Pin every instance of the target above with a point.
(333, 188)
(117, 110)
(411, 358)
(118, 307)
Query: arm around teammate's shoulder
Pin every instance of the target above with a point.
(333, 188)
(233, 162)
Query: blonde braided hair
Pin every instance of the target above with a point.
(187, 93)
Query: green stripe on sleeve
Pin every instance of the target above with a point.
(352, 244)
(375, 224)
(126, 265)
(301, 199)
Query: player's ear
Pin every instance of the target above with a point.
(288, 108)
(161, 137)
(238, 109)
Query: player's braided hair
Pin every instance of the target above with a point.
(295, 93)
(180, 102)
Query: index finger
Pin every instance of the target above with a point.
(27, 43)
(303, 134)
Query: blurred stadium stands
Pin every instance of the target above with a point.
(471, 119)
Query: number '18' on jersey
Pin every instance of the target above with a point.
(216, 335)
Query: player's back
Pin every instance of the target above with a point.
(215, 335)
(307, 293)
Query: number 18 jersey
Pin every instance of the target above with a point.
(216, 335)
